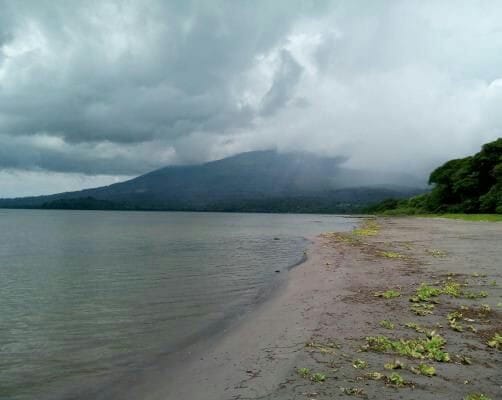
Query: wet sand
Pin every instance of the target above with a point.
(325, 309)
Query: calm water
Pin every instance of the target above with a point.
(88, 296)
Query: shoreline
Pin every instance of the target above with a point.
(209, 349)
(329, 301)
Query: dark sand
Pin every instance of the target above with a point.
(330, 299)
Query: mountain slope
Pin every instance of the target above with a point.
(247, 181)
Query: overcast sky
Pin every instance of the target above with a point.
(92, 92)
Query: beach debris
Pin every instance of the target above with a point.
(303, 372)
(461, 359)
(436, 252)
(325, 348)
(390, 254)
(424, 293)
(375, 376)
(307, 374)
(386, 324)
(360, 364)
(395, 379)
(474, 295)
(485, 309)
(452, 288)
(424, 369)
(422, 309)
(368, 228)
(353, 391)
(453, 319)
(396, 364)
(388, 294)
(428, 293)
(430, 347)
(476, 396)
(496, 341)
(318, 377)
(418, 328)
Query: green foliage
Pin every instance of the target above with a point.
(324, 348)
(422, 348)
(386, 324)
(422, 309)
(474, 217)
(468, 185)
(424, 293)
(476, 396)
(368, 228)
(318, 377)
(394, 365)
(360, 364)
(496, 341)
(390, 254)
(424, 369)
(453, 321)
(396, 379)
(305, 373)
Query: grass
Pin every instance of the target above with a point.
(470, 217)
(396, 364)
(368, 228)
(396, 379)
(390, 254)
(318, 377)
(393, 379)
(421, 309)
(476, 396)
(436, 252)
(452, 288)
(360, 364)
(496, 341)
(424, 293)
(453, 319)
(421, 348)
(386, 324)
(306, 373)
(424, 369)
(324, 348)
(473, 295)
(417, 328)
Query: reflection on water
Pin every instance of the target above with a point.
(87, 296)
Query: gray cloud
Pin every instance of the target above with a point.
(284, 83)
(119, 88)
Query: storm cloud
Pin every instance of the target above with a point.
(105, 90)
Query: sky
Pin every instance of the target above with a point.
(95, 92)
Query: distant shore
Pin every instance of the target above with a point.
(306, 340)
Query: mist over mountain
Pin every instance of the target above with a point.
(252, 181)
(97, 92)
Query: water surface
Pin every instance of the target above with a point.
(88, 296)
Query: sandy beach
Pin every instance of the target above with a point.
(308, 341)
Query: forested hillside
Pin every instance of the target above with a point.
(467, 185)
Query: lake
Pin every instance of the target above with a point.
(89, 296)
